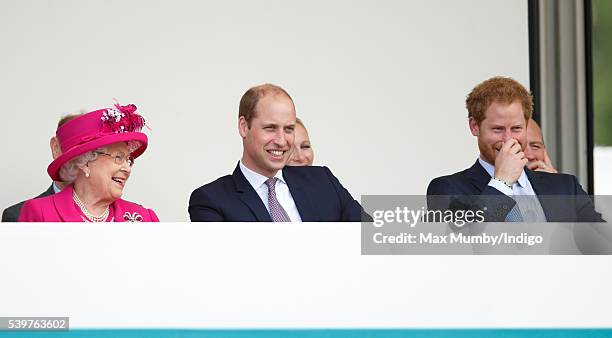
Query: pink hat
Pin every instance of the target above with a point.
(98, 129)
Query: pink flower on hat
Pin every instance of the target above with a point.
(121, 119)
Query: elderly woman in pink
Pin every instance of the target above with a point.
(98, 152)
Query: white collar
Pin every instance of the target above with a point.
(522, 181)
(56, 189)
(256, 179)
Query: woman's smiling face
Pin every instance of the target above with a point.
(110, 171)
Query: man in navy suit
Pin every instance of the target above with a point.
(11, 214)
(499, 184)
(262, 188)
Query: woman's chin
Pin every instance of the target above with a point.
(116, 194)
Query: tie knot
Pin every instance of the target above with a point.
(271, 182)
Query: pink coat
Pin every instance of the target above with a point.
(61, 208)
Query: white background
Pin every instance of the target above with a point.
(381, 85)
(602, 163)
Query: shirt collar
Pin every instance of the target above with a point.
(522, 181)
(256, 179)
(56, 189)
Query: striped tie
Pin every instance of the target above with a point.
(515, 214)
(277, 212)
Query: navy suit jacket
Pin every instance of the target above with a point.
(317, 193)
(560, 195)
(11, 214)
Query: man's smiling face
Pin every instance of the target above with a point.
(269, 135)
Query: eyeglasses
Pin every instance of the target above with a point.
(120, 158)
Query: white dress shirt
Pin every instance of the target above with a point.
(531, 209)
(521, 187)
(283, 195)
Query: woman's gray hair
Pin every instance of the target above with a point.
(70, 170)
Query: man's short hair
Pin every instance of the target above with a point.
(67, 118)
(249, 100)
(497, 89)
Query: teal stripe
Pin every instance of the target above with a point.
(321, 333)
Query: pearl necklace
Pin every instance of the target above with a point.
(90, 217)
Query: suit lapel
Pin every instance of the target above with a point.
(249, 196)
(65, 206)
(540, 188)
(478, 176)
(537, 183)
(300, 197)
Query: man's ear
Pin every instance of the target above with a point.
(56, 150)
(474, 127)
(243, 126)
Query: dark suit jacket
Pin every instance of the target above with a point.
(560, 195)
(11, 214)
(318, 196)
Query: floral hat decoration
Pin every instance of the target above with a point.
(97, 129)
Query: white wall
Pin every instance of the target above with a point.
(602, 167)
(380, 84)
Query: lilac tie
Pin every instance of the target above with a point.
(277, 212)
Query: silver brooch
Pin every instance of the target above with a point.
(135, 217)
